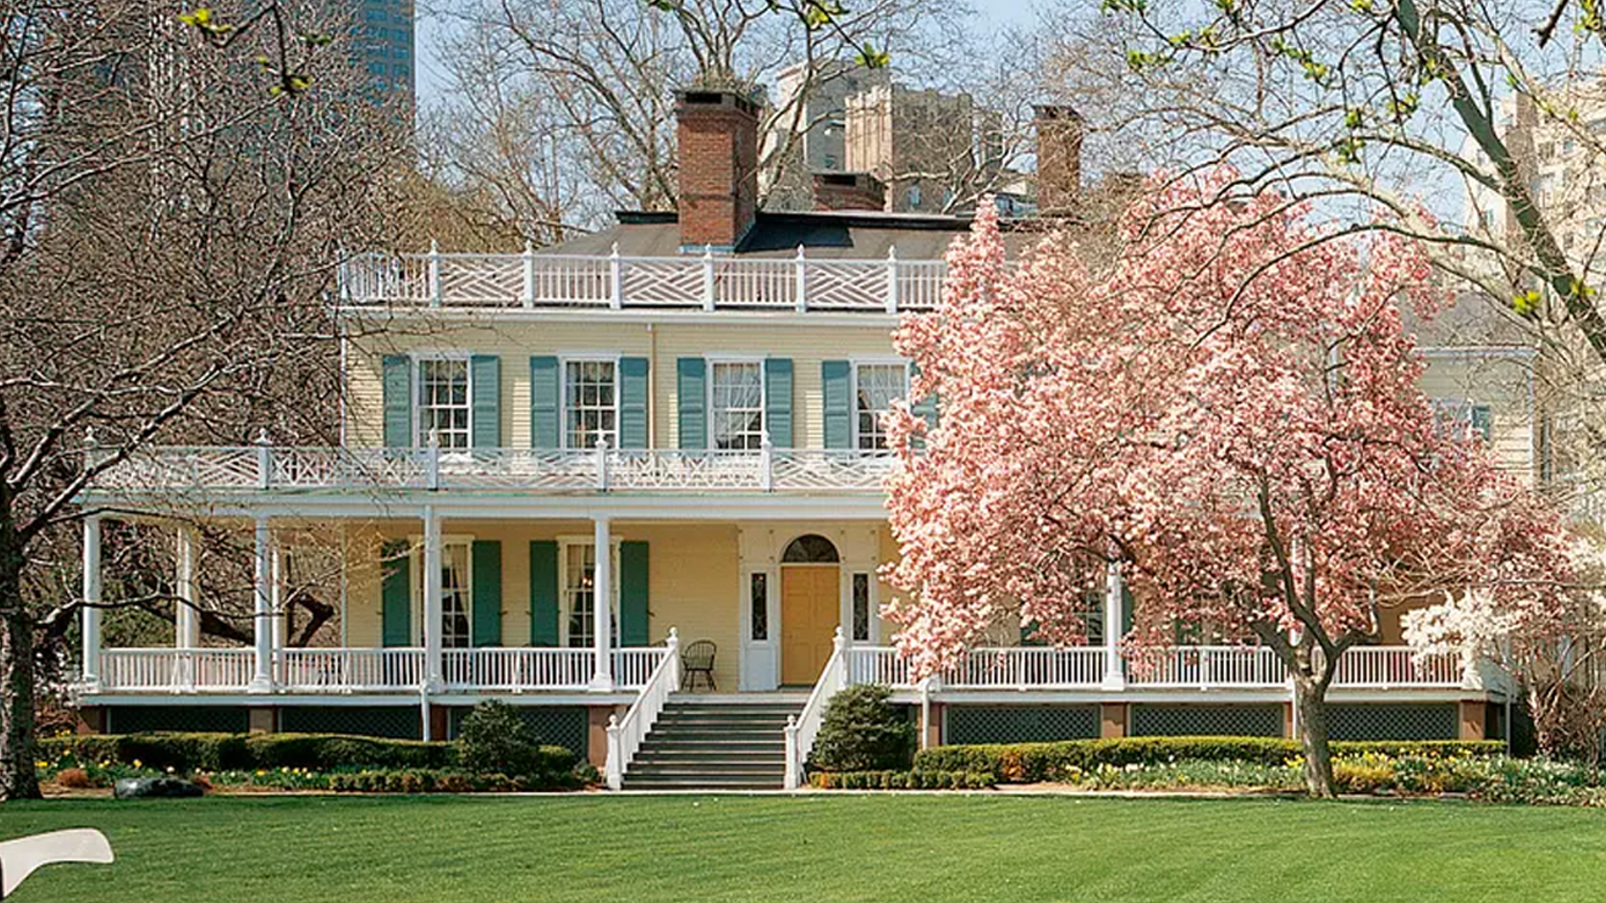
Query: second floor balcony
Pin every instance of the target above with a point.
(263, 467)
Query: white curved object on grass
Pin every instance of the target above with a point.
(19, 858)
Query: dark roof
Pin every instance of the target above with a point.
(855, 234)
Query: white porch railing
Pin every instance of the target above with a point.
(699, 282)
(176, 670)
(625, 736)
(265, 467)
(1181, 667)
(802, 728)
(341, 670)
(1394, 666)
(1025, 667)
(350, 670)
(1210, 667)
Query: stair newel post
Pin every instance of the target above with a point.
(616, 755)
(793, 766)
(672, 650)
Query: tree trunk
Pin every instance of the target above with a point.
(17, 679)
(1310, 710)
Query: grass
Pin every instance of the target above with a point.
(819, 848)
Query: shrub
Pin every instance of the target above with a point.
(861, 731)
(187, 752)
(1035, 762)
(495, 739)
(901, 780)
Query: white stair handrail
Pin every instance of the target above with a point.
(802, 728)
(625, 736)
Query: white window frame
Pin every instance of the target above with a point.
(416, 362)
(565, 606)
(853, 390)
(1458, 412)
(417, 567)
(708, 395)
(564, 361)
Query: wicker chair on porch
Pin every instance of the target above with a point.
(698, 658)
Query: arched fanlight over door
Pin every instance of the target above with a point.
(810, 548)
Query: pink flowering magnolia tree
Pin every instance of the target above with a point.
(1229, 410)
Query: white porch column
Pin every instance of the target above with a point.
(432, 600)
(262, 674)
(186, 621)
(1114, 603)
(91, 613)
(276, 600)
(602, 599)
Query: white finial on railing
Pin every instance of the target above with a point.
(602, 463)
(836, 639)
(766, 462)
(613, 722)
(434, 274)
(674, 634)
(528, 295)
(892, 279)
(616, 279)
(91, 448)
(708, 277)
(432, 459)
(802, 286)
(264, 459)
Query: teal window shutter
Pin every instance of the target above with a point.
(398, 389)
(546, 408)
(778, 400)
(1483, 421)
(692, 376)
(925, 408)
(485, 382)
(836, 393)
(633, 403)
(543, 592)
(396, 594)
(487, 588)
(633, 616)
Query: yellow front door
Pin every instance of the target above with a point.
(809, 615)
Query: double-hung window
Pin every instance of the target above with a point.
(580, 595)
(736, 405)
(591, 403)
(443, 401)
(876, 386)
(457, 592)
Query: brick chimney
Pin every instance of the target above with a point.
(849, 191)
(717, 134)
(1059, 158)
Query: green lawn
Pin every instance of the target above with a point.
(823, 847)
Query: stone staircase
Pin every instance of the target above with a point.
(715, 743)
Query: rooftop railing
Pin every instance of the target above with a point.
(704, 281)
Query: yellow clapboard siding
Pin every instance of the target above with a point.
(692, 580)
(806, 345)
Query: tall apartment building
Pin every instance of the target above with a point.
(859, 134)
(922, 144)
(384, 47)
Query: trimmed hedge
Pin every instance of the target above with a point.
(902, 780)
(188, 752)
(1030, 763)
(420, 780)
